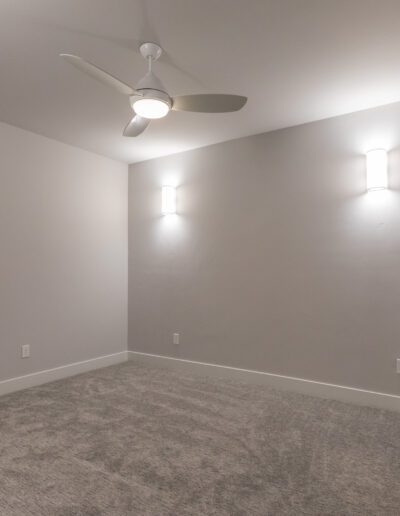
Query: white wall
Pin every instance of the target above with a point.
(63, 253)
(278, 260)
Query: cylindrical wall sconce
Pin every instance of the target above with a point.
(377, 175)
(168, 200)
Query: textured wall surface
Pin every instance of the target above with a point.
(278, 259)
(63, 259)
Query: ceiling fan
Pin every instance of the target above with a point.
(149, 100)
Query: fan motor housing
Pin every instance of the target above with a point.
(151, 94)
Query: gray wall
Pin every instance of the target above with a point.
(278, 259)
(63, 254)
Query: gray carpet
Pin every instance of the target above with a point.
(134, 440)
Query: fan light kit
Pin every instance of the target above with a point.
(151, 108)
(150, 100)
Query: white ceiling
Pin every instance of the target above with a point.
(296, 60)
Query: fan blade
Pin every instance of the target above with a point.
(99, 74)
(209, 103)
(136, 126)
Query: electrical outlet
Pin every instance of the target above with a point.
(175, 339)
(25, 351)
(398, 365)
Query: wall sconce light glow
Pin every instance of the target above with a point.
(168, 200)
(377, 176)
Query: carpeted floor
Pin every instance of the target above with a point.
(135, 440)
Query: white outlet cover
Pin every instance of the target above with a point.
(175, 338)
(398, 365)
(25, 351)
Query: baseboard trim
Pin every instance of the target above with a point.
(311, 387)
(57, 373)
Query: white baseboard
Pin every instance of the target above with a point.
(57, 373)
(311, 387)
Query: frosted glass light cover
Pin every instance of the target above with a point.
(151, 108)
(168, 200)
(377, 176)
